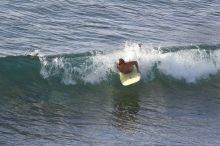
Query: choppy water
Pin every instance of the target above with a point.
(59, 85)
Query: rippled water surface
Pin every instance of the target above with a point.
(59, 85)
(59, 26)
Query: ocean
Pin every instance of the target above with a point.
(59, 84)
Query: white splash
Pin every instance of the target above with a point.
(188, 65)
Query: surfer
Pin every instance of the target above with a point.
(126, 67)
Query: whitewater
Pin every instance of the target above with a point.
(59, 84)
(189, 65)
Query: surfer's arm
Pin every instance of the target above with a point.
(136, 64)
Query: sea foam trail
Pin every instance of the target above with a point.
(189, 65)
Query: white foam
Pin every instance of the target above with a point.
(34, 52)
(188, 65)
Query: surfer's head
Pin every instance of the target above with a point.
(139, 45)
(121, 61)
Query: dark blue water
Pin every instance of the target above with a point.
(59, 85)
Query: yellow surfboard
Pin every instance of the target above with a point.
(131, 78)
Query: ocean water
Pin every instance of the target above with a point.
(59, 84)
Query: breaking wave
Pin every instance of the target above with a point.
(186, 63)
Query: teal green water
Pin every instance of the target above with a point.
(40, 106)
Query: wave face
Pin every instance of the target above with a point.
(188, 64)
